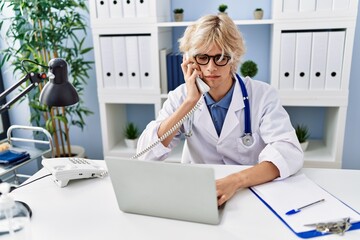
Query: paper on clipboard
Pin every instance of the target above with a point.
(297, 191)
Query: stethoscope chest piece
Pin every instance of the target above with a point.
(248, 140)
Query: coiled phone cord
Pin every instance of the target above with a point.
(170, 131)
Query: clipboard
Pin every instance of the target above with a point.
(283, 195)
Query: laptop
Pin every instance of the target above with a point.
(168, 190)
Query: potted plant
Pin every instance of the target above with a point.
(131, 134)
(222, 8)
(258, 13)
(302, 133)
(178, 14)
(41, 31)
(249, 68)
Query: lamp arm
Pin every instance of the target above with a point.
(35, 80)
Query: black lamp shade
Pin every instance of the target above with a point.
(58, 92)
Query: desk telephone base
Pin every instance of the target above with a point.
(66, 169)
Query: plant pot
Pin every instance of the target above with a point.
(77, 151)
(131, 143)
(258, 14)
(179, 17)
(304, 145)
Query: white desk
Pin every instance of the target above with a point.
(87, 209)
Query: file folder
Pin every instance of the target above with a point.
(307, 5)
(129, 8)
(142, 8)
(302, 60)
(132, 56)
(102, 8)
(287, 60)
(145, 61)
(318, 60)
(290, 6)
(335, 60)
(120, 64)
(107, 62)
(116, 10)
(283, 195)
(163, 70)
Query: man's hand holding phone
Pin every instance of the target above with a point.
(192, 75)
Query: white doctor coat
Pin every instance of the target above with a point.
(274, 137)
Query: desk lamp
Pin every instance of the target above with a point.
(58, 92)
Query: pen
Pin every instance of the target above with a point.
(296, 210)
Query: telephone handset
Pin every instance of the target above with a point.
(202, 86)
(65, 169)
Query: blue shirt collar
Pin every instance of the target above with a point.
(224, 102)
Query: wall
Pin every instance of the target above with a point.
(351, 157)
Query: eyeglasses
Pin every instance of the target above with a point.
(219, 60)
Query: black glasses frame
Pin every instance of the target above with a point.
(215, 59)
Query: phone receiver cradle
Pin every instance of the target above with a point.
(65, 169)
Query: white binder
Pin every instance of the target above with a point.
(341, 4)
(107, 62)
(307, 5)
(335, 59)
(145, 61)
(132, 57)
(120, 64)
(102, 8)
(290, 6)
(116, 9)
(302, 60)
(142, 8)
(129, 8)
(287, 60)
(318, 60)
(323, 5)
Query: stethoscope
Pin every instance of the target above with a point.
(247, 137)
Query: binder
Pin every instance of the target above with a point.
(287, 60)
(120, 64)
(323, 5)
(129, 8)
(302, 60)
(291, 6)
(116, 9)
(296, 191)
(145, 61)
(107, 62)
(132, 57)
(170, 76)
(318, 60)
(341, 4)
(307, 5)
(142, 8)
(179, 59)
(102, 8)
(335, 60)
(163, 70)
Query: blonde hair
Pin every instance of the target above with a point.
(214, 29)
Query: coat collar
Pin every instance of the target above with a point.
(202, 117)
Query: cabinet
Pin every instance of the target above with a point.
(310, 57)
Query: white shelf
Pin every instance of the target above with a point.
(237, 22)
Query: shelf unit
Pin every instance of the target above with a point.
(155, 22)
